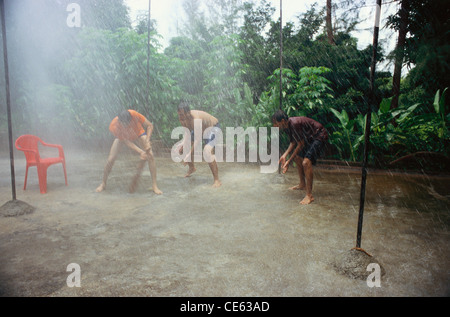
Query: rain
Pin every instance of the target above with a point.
(378, 225)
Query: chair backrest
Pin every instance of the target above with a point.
(28, 142)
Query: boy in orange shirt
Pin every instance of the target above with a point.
(127, 128)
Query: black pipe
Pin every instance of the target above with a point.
(148, 53)
(281, 54)
(368, 124)
(281, 64)
(8, 101)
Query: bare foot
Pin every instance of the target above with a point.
(297, 187)
(307, 200)
(190, 171)
(217, 184)
(157, 191)
(100, 188)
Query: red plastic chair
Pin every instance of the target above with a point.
(29, 145)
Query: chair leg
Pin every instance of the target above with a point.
(42, 175)
(65, 173)
(26, 176)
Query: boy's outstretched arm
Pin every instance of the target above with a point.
(298, 147)
(283, 157)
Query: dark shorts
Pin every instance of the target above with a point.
(211, 138)
(312, 151)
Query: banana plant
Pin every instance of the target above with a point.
(346, 126)
(439, 107)
(383, 132)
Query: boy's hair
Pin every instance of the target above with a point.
(184, 106)
(124, 117)
(279, 115)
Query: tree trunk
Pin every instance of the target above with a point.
(329, 25)
(399, 52)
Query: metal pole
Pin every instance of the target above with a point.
(281, 64)
(148, 53)
(150, 114)
(281, 54)
(8, 101)
(368, 123)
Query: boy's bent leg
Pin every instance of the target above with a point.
(152, 168)
(151, 164)
(191, 166)
(109, 163)
(301, 174)
(309, 161)
(211, 159)
(191, 169)
(308, 169)
(215, 171)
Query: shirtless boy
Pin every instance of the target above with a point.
(187, 117)
(307, 139)
(128, 128)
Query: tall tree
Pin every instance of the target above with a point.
(426, 50)
(103, 14)
(400, 51)
(226, 14)
(329, 24)
(195, 25)
(254, 47)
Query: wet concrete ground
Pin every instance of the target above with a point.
(248, 238)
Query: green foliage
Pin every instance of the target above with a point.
(429, 130)
(393, 132)
(427, 48)
(388, 135)
(312, 89)
(342, 137)
(306, 93)
(75, 85)
(439, 107)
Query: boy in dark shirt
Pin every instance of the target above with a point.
(307, 138)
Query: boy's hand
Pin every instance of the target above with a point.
(285, 167)
(143, 155)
